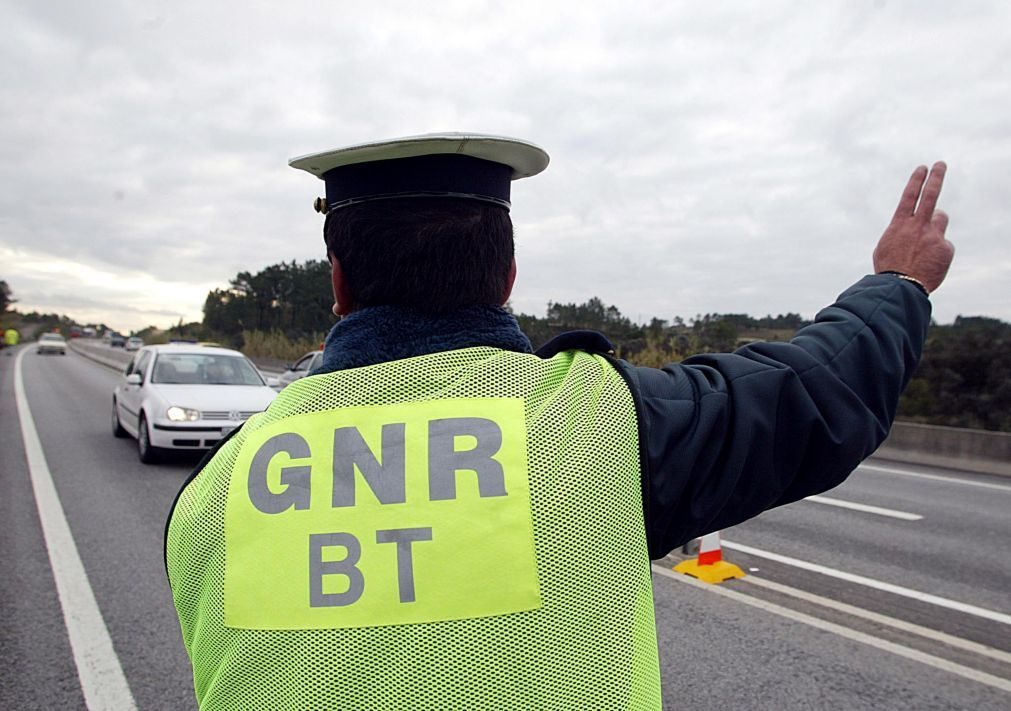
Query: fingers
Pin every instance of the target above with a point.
(931, 191)
(907, 203)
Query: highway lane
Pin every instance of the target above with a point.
(35, 659)
(716, 651)
(116, 509)
(958, 550)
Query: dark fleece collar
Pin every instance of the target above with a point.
(380, 334)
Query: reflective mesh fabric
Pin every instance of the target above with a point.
(592, 644)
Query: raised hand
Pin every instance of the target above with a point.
(914, 242)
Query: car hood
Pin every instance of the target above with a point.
(217, 397)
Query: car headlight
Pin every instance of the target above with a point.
(182, 414)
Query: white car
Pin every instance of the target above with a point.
(51, 343)
(185, 397)
(134, 343)
(299, 369)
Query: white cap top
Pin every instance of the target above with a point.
(525, 158)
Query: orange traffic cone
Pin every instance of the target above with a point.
(710, 567)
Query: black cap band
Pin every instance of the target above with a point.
(439, 175)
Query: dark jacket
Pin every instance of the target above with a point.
(726, 436)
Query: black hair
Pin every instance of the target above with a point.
(430, 254)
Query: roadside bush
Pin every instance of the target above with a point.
(275, 344)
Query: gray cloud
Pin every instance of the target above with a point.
(723, 159)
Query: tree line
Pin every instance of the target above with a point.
(290, 298)
(963, 380)
(293, 300)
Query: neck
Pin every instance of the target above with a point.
(380, 334)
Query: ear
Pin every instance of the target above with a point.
(510, 280)
(343, 302)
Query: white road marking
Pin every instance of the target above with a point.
(876, 584)
(950, 640)
(865, 508)
(102, 679)
(874, 468)
(870, 640)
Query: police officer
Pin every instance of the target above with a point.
(11, 338)
(409, 526)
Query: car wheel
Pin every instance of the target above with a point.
(147, 453)
(117, 429)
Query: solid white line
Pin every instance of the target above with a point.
(865, 508)
(102, 679)
(876, 584)
(874, 468)
(950, 640)
(870, 640)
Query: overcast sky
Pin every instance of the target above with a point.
(705, 157)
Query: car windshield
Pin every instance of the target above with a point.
(204, 369)
(51, 337)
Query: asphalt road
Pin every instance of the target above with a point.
(742, 644)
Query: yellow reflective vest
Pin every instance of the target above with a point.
(456, 530)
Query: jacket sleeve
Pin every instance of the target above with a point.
(724, 437)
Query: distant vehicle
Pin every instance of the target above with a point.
(185, 397)
(88, 332)
(113, 339)
(300, 368)
(134, 343)
(75, 331)
(51, 343)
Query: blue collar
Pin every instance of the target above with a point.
(380, 334)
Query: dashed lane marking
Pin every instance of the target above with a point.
(891, 513)
(102, 680)
(870, 640)
(968, 609)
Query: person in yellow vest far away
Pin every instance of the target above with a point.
(11, 337)
(406, 528)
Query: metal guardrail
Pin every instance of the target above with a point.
(972, 450)
(117, 358)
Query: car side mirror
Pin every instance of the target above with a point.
(134, 379)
